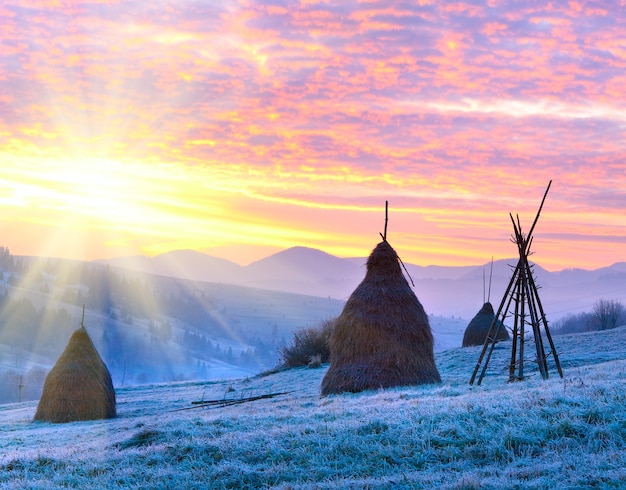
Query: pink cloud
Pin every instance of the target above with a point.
(458, 99)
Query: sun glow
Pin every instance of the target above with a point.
(89, 191)
(83, 197)
(95, 208)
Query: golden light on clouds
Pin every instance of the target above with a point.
(242, 128)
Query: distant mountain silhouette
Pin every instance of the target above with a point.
(305, 270)
(183, 264)
(456, 291)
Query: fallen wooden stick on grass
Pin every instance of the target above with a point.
(225, 402)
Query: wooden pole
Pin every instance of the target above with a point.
(386, 219)
(493, 332)
(483, 285)
(530, 232)
(490, 277)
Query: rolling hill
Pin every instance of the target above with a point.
(554, 434)
(186, 315)
(152, 327)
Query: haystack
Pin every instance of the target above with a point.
(382, 337)
(478, 328)
(79, 386)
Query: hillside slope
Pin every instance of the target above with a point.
(560, 433)
(152, 328)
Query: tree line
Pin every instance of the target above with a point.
(605, 315)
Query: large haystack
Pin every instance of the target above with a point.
(382, 337)
(79, 386)
(478, 329)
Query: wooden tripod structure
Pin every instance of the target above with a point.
(521, 300)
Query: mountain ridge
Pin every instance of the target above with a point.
(443, 290)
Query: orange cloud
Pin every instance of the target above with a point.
(243, 123)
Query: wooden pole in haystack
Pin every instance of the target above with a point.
(479, 327)
(384, 235)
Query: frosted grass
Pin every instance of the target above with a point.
(560, 433)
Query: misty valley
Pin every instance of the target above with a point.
(147, 328)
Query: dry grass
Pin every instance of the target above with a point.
(382, 337)
(478, 328)
(308, 343)
(79, 386)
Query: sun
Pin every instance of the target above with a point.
(93, 208)
(100, 190)
(66, 206)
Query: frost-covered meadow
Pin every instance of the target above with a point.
(560, 433)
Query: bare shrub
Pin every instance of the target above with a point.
(607, 314)
(308, 343)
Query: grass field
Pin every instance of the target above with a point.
(559, 433)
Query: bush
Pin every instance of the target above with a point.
(307, 344)
(606, 314)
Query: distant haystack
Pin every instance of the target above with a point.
(79, 386)
(478, 329)
(382, 337)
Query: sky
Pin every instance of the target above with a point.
(243, 128)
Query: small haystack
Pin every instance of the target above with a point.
(79, 386)
(478, 329)
(382, 337)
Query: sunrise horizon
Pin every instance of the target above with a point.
(251, 254)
